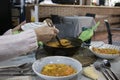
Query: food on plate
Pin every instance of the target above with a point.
(90, 72)
(105, 50)
(57, 70)
(65, 42)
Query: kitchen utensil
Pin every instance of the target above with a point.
(50, 24)
(88, 33)
(59, 41)
(21, 69)
(107, 65)
(99, 67)
(17, 74)
(63, 51)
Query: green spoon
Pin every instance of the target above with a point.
(88, 33)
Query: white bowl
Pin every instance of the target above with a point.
(39, 64)
(107, 56)
(32, 25)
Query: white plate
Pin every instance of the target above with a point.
(97, 43)
(32, 25)
(106, 56)
(38, 65)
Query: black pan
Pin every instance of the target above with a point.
(63, 51)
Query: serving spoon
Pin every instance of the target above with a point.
(107, 65)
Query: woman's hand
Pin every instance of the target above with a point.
(46, 33)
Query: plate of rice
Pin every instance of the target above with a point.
(106, 51)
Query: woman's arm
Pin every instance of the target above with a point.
(24, 42)
(15, 45)
(17, 28)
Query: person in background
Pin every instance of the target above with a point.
(13, 45)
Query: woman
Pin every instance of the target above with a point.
(24, 42)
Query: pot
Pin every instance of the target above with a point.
(64, 51)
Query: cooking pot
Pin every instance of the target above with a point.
(64, 51)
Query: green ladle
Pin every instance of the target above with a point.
(88, 33)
